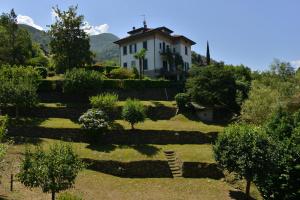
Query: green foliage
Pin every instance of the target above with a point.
(282, 176)
(133, 112)
(105, 102)
(121, 73)
(18, 86)
(82, 81)
(212, 86)
(42, 71)
(260, 105)
(15, 43)
(3, 128)
(53, 171)
(140, 55)
(182, 99)
(243, 149)
(135, 71)
(68, 196)
(69, 43)
(94, 120)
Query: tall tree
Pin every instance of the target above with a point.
(207, 54)
(70, 45)
(16, 45)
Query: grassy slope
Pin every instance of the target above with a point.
(95, 185)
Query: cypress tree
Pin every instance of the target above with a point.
(207, 54)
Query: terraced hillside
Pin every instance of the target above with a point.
(125, 164)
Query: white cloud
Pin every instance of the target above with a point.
(95, 30)
(23, 19)
(296, 63)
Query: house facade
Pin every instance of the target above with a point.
(165, 53)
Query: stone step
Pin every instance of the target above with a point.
(174, 163)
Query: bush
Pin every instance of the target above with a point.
(94, 120)
(51, 73)
(105, 102)
(68, 196)
(18, 86)
(121, 73)
(133, 112)
(135, 71)
(80, 81)
(3, 127)
(42, 71)
(182, 99)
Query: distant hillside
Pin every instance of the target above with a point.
(102, 45)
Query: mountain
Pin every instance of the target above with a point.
(102, 45)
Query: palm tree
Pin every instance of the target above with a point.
(141, 56)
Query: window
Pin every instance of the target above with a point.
(133, 64)
(135, 48)
(145, 45)
(164, 47)
(130, 49)
(145, 64)
(125, 64)
(186, 50)
(174, 50)
(160, 45)
(165, 65)
(125, 50)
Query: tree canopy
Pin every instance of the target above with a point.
(69, 42)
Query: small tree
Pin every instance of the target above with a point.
(243, 149)
(181, 100)
(141, 57)
(53, 171)
(133, 112)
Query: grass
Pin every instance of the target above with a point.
(126, 153)
(94, 185)
(177, 123)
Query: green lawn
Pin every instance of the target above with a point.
(126, 153)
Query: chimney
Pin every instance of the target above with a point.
(145, 24)
(133, 28)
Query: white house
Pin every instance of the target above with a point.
(160, 43)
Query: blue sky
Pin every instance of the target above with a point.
(249, 32)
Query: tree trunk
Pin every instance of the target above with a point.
(132, 127)
(248, 188)
(17, 112)
(53, 195)
(140, 65)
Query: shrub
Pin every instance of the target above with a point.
(121, 73)
(68, 196)
(94, 120)
(51, 73)
(3, 127)
(42, 71)
(133, 112)
(105, 102)
(181, 100)
(81, 81)
(135, 71)
(18, 86)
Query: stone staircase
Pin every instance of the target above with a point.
(175, 163)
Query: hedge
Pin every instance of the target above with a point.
(135, 84)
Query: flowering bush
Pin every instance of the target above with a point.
(94, 119)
